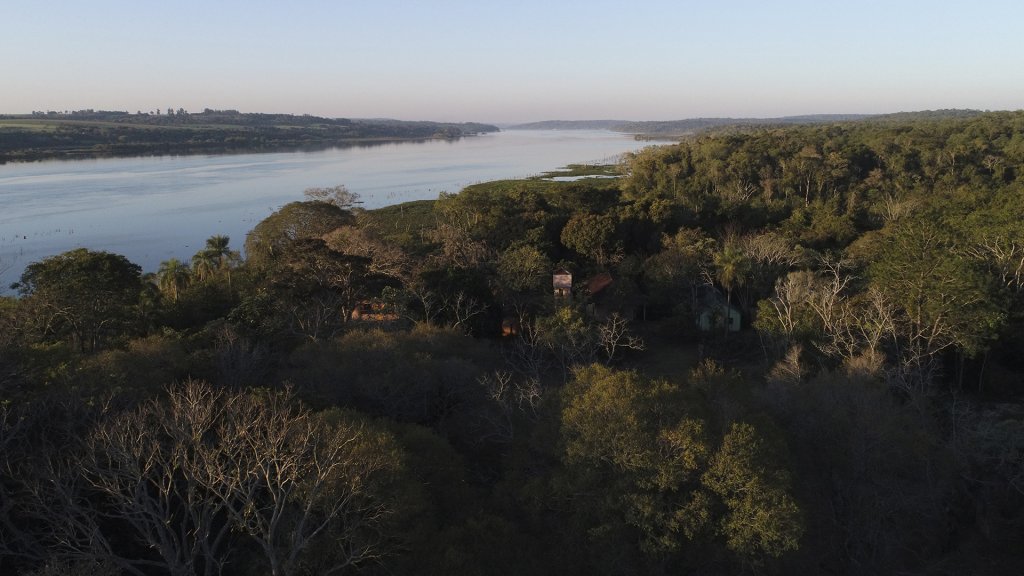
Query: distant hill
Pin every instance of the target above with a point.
(90, 133)
(693, 125)
(570, 125)
(678, 128)
(929, 115)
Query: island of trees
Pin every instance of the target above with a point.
(91, 133)
(770, 350)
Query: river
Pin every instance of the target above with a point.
(151, 209)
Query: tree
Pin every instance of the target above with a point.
(384, 259)
(457, 232)
(524, 271)
(641, 454)
(679, 268)
(335, 195)
(882, 475)
(152, 466)
(762, 518)
(567, 336)
(633, 461)
(294, 221)
(173, 276)
(215, 258)
(174, 484)
(732, 270)
(87, 297)
(614, 335)
(943, 301)
(317, 288)
(590, 235)
(309, 490)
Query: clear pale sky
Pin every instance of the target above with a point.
(478, 60)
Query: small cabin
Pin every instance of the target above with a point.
(714, 312)
(598, 283)
(599, 304)
(374, 311)
(561, 281)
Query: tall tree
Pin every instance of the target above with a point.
(216, 258)
(644, 467)
(173, 277)
(172, 486)
(294, 221)
(732, 270)
(944, 301)
(591, 235)
(87, 297)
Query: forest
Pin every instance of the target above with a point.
(762, 350)
(100, 133)
(673, 129)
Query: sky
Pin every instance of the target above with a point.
(504, 62)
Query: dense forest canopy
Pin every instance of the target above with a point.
(762, 350)
(665, 129)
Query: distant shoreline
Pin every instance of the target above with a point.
(92, 154)
(88, 134)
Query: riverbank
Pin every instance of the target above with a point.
(151, 209)
(88, 134)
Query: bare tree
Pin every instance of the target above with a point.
(893, 208)
(316, 316)
(48, 514)
(171, 485)
(290, 482)
(428, 301)
(851, 327)
(149, 466)
(462, 309)
(1003, 253)
(789, 370)
(512, 397)
(339, 196)
(771, 249)
(527, 354)
(614, 335)
(792, 292)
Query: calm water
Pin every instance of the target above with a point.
(152, 209)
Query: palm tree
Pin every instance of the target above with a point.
(173, 276)
(731, 270)
(217, 246)
(215, 258)
(204, 265)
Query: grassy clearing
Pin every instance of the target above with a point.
(48, 125)
(402, 223)
(29, 125)
(581, 170)
(504, 187)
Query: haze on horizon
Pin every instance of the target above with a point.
(488, 61)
